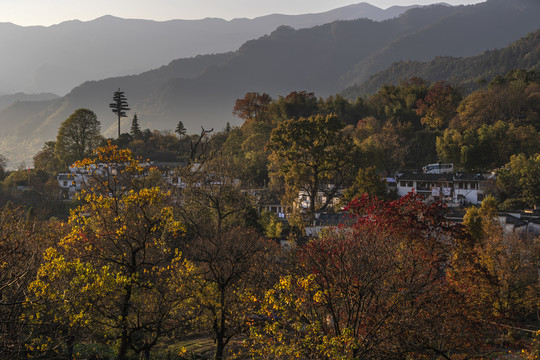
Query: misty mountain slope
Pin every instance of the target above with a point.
(57, 58)
(7, 100)
(464, 73)
(26, 125)
(286, 60)
(466, 32)
(202, 90)
(317, 59)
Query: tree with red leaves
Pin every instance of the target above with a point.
(439, 106)
(376, 289)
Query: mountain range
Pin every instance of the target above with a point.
(59, 57)
(324, 59)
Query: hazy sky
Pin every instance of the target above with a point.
(48, 12)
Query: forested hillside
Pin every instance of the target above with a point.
(467, 74)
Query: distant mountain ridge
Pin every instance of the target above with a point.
(7, 100)
(201, 90)
(464, 73)
(58, 57)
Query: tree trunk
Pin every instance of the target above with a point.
(147, 353)
(219, 329)
(124, 341)
(220, 347)
(70, 345)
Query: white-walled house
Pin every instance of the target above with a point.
(70, 184)
(524, 222)
(453, 189)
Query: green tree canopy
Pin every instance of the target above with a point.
(46, 159)
(312, 155)
(78, 136)
(518, 182)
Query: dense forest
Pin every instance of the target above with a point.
(137, 267)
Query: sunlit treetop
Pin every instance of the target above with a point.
(111, 155)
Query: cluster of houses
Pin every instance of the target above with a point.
(437, 182)
(71, 183)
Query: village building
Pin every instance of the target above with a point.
(458, 189)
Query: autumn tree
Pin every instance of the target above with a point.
(119, 106)
(439, 106)
(246, 147)
(312, 155)
(230, 258)
(253, 107)
(509, 98)
(373, 290)
(497, 270)
(117, 272)
(233, 267)
(22, 240)
(77, 136)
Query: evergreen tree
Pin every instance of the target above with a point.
(135, 131)
(119, 106)
(180, 129)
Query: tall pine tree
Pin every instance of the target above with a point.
(180, 129)
(119, 106)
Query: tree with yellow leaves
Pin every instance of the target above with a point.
(116, 275)
(498, 270)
